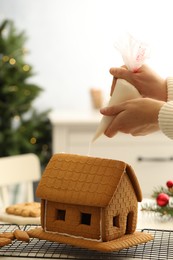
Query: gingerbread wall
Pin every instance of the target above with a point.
(76, 221)
(121, 213)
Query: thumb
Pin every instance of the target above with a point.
(122, 73)
(112, 110)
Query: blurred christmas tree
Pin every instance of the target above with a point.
(22, 128)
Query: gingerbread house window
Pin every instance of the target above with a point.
(86, 218)
(116, 222)
(61, 214)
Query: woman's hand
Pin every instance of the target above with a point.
(148, 83)
(136, 117)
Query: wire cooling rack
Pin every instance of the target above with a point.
(159, 248)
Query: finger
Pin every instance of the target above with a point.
(110, 133)
(112, 128)
(113, 110)
(118, 72)
(122, 73)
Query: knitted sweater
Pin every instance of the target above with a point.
(165, 117)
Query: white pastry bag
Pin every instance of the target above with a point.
(123, 91)
(134, 54)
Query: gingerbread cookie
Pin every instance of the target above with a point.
(21, 235)
(30, 209)
(9, 235)
(5, 241)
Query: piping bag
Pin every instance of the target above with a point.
(134, 53)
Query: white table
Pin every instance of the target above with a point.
(153, 220)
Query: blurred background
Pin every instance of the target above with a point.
(71, 43)
(55, 57)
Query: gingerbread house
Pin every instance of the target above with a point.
(89, 202)
(89, 197)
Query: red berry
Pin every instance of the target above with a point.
(169, 184)
(162, 199)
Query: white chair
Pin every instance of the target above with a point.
(18, 169)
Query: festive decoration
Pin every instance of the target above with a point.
(163, 200)
(22, 128)
(169, 184)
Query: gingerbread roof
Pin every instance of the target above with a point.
(83, 180)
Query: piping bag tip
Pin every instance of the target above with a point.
(95, 137)
(105, 121)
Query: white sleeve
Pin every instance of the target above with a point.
(170, 88)
(165, 117)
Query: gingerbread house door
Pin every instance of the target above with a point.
(130, 223)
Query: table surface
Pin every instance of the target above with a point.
(152, 220)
